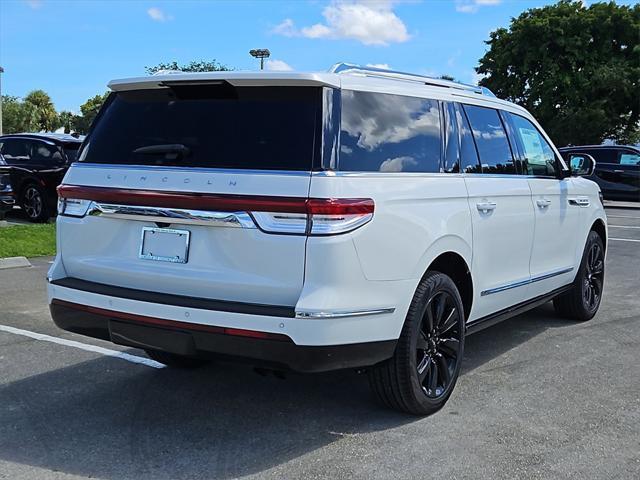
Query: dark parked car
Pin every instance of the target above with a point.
(6, 191)
(37, 163)
(617, 169)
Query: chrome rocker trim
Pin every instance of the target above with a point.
(522, 283)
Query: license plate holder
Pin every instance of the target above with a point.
(164, 244)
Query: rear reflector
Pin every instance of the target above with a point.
(282, 215)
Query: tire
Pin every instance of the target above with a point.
(423, 371)
(583, 300)
(174, 360)
(34, 204)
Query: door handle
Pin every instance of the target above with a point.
(543, 202)
(580, 202)
(618, 171)
(486, 207)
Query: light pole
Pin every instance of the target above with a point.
(260, 53)
(1, 72)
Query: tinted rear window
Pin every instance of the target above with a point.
(221, 126)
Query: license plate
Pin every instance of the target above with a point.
(164, 245)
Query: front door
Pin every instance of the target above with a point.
(502, 218)
(557, 213)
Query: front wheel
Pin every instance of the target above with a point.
(421, 375)
(583, 300)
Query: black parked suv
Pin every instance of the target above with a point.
(6, 191)
(37, 163)
(617, 169)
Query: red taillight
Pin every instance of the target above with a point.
(339, 206)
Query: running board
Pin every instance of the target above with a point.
(484, 322)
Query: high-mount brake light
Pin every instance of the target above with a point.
(280, 215)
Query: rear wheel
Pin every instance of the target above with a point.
(33, 204)
(174, 360)
(583, 300)
(421, 375)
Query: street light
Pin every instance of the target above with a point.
(260, 53)
(1, 72)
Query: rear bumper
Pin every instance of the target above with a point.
(276, 350)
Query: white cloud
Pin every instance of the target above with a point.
(285, 28)
(35, 4)
(472, 6)
(371, 23)
(384, 66)
(277, 66)
(476, 77)
(158, 15)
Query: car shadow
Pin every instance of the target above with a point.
(108, 419)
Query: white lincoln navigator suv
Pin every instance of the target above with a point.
(361, 218)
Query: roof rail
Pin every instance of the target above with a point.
(349, 68)
(168, 71)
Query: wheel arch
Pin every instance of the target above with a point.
(601, 229)
(455, 266)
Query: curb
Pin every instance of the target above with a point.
(14, 262)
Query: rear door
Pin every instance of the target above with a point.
(628, 173)
(195, 191)
(502, 216)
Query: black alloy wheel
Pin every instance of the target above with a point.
(423, 371)
(582, 301)
(34, 204)
(438, 344)
(594, 279)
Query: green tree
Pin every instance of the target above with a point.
(17, 116)
(89, 110)
(68, 121)
(575, 68)
(193, 66)
(46, 115)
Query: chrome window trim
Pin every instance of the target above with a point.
(312, 315)
(173, 215)
(521, 283)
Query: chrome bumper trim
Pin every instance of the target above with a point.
(343, 314)
(173, 215)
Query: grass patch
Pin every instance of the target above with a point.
(28, 240)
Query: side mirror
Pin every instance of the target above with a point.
(581, 164)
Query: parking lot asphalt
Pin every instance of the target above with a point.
(539, 398)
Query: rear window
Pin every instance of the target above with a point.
(211, 126)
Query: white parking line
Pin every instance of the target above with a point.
(625, 240)
(82, 346)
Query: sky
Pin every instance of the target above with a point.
(71, 49)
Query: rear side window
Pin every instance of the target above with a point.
(389, 133)
(491, 140)
(16, 151)
(629, 158)
(213, 126)
(539, 158)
